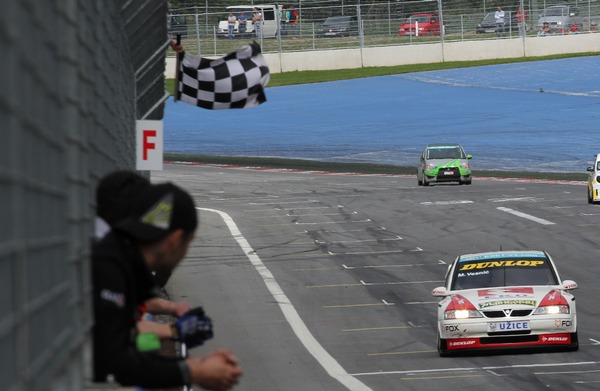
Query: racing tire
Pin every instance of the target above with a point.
(425, 181)
(574, 342)
(442, 347)
(419, 182)
(590, 200)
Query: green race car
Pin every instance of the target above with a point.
(444, 163)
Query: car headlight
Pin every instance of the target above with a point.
(461, 314)
(460, 308)
(430, 166)
(466, 166)
(552, 310)
(554, 303)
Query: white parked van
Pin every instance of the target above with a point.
(270, 21)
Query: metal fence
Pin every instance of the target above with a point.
(75, 75)
(204, 30)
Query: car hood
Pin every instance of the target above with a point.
(497, 299)
(442, 163)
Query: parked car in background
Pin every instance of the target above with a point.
(339, 26)
(594, 181)
(270, 21)
(488, 23)
(421, 24)
(560, 18)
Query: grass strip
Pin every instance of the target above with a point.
(307, 77)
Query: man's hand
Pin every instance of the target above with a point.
(218, 371)
(176, 46)
(158, 305)
(193, 328)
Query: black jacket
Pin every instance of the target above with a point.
(122, 282)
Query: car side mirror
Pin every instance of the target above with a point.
(569, 284)
(441, 291)
(469, 156)
(591, 169)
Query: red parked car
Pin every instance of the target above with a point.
(421, 24)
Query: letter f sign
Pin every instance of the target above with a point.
(149, 145)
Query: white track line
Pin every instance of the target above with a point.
(526, 216)
(333, 368)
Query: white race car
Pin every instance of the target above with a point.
(505, 299)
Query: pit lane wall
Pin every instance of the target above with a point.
(426, 53)
(75, 77)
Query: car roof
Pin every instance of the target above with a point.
(442, 145)
(503, 254)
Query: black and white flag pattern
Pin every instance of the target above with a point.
(235, 81)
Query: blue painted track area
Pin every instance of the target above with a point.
(533, 116)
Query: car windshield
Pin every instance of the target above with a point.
(491, 18)
(445, 152)
(337, 20)
(486, 272)
(420, 19)
(558, 11)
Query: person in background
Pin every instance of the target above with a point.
(545, 30)
(231, 25)
(284, 19)
(574, 29)
(155, 235)
(257, 19)
(499, 17)
(294, 17)
(242, 21)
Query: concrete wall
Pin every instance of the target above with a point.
(425, 53)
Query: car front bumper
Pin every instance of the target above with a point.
(450, 174)
(594, 191)
(474, 334)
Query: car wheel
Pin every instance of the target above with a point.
(574, 342)
(425, 181)
(590, 201)
(442, 347)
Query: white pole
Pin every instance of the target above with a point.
(416, 28)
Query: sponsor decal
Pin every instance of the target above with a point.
(563, 323)
(503, 263)
(508, 302)
(499, 293)
(501, 256)
(451, 328)
(555, 339)
(461, 343)
(113, 297)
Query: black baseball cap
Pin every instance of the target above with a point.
(115, 194)
(158, 210)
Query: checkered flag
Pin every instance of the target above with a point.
(234, 81)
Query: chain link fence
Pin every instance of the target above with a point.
(204, 30)
(75, 76)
